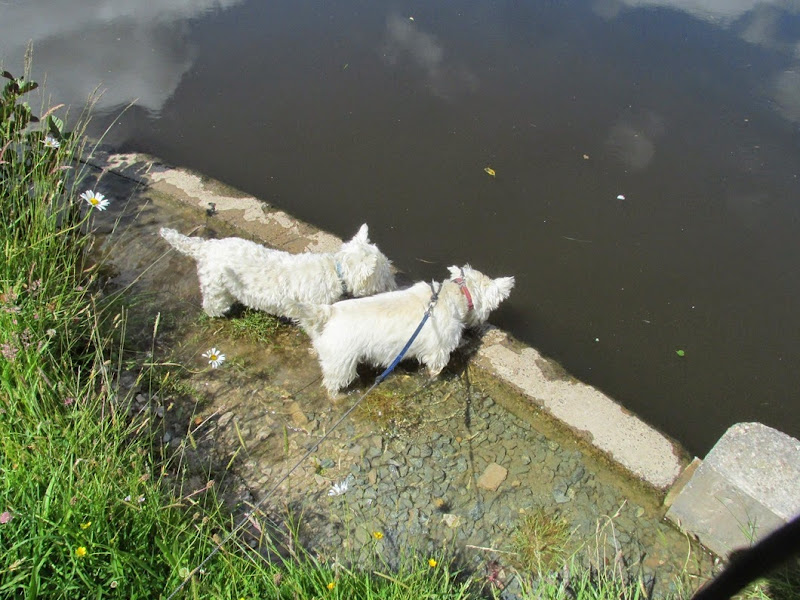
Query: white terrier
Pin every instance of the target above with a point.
(233, 269)
(375, 329)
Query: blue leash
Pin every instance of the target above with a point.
(380, 378)
(390, 368)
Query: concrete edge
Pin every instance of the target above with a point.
(621, 436)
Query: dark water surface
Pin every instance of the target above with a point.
(646, 152)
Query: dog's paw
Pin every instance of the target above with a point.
(337, 397)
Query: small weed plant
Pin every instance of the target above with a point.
(249, 325)
(541, 542)
(392, 410)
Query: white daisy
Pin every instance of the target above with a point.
(215, 357)
(51, 142)
(338, 488)
(95, 199)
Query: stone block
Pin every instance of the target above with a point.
(747, 486)
(492, 477)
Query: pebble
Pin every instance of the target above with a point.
(492, 477)
(577, 475)
(560, 493)
(476, 512)
(451, 520)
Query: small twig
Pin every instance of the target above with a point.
(172, 364)
(205, 488)
(484, 548)
(206, 420)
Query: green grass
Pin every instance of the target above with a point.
(576, 582)
(391, 409)
(540, 542)
(250, 325)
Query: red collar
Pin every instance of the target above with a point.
(463, 285)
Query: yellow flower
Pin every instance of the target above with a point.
(432, 562)
(331, 585)
(377, 535)
(80, 552)
(86, 525)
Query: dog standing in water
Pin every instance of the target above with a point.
(374, 330)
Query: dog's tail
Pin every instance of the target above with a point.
(182, 243)
(311, 317)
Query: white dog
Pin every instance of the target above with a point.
(233, 269)
(375, 329)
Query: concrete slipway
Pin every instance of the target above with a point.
(537, 388)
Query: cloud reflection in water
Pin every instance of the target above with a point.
(405, 40)
(758, 22)
(128, 51)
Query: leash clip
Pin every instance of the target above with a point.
(434, 296)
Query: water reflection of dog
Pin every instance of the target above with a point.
(233, 269)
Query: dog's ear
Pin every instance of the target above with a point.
(362, 235)
(498, 291)
(464, 271)
(454, 272)
(504, 286)
(361, 273)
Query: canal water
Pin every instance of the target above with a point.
(643, 158)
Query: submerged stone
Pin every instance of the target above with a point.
(492, 477)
